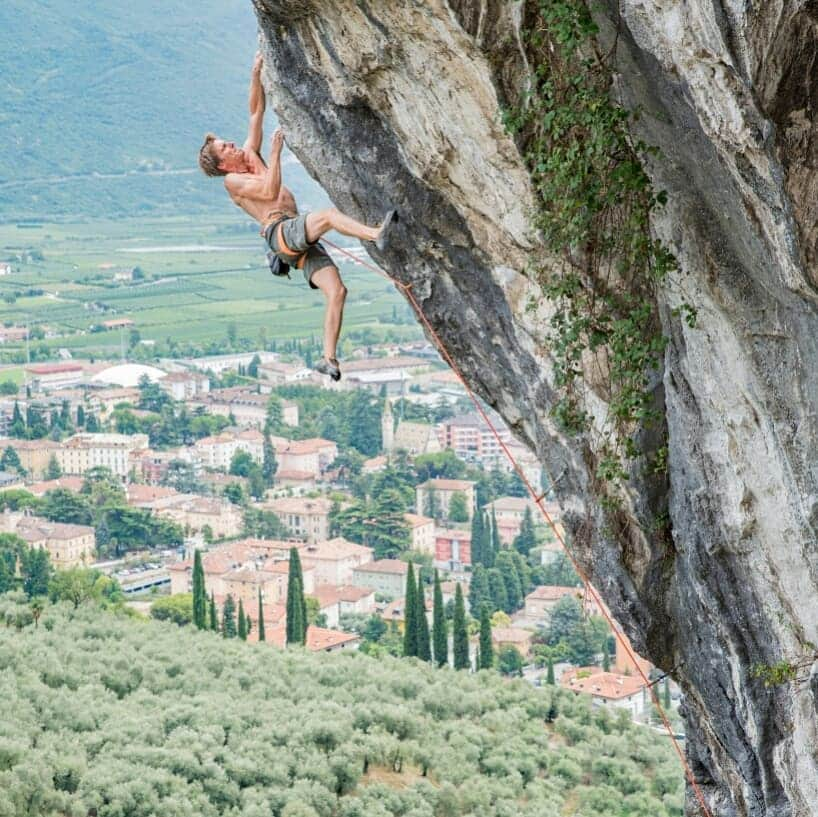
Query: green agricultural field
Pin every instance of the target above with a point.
(198, 278)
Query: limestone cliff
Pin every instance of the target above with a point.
(399, 102)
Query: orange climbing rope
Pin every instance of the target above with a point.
(538, 499)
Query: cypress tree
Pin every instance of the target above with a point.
(297, 624)
(549, 679)
(526, 538)
(523, 572)
(296, 627)
(460, 632)
(262, 636)
(479, 593)
(422, 623)
(496, 545)
(199, 592)
(477, 557)
(487, 545)
(242, 622)
(486, 648)
(606, 657)
(16, 414)
(514, 597)
(80, 416)
(269, 464)
(214, 619)
(410, 632)
(497, 589)
(666, 695)
(439, 635)
(229, 618)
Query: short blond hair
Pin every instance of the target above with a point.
(208, 162)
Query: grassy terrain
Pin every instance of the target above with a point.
(201, 275)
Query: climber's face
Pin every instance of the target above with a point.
(230, 157)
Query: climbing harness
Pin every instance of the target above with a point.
(538, 500)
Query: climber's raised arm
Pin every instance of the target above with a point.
(272, 177)
(257, 104)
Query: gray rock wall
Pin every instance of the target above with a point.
(399, 103)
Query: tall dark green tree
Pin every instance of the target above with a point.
(496, 545)
(666, 695)
(269, 464)
(526, 539)
(479, 593)
(52, 470)
(214, 619)
(296, 624)
(606, 658)
(514, 597)
(80, 416)
(460, 632)
(410, 629)
(486, 647)
(262, 635)
(365, 423)
(275, 415)
(477, 538)
(422, 623)
(523, 572)
(497, 589)
(36, 570)
(229, 618)
(549, 678)
(199, 592)
(242, 622)
(440, 636)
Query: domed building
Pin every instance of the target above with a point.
(128, 375)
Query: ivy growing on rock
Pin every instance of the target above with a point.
(595, 202)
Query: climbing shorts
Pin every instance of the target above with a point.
(287, 237)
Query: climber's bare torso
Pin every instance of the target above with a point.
(246, 188)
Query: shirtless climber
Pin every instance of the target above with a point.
(257, 189)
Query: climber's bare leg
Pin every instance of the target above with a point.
(333, 219)
(328, 280)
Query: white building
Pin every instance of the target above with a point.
(82, 452)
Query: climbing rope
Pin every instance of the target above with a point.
(538, 500)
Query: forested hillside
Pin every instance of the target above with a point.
(103, 105)
(109, 716)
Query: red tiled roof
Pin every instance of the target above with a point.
(609, 685)
(54, 368)
(394, 566)
(553, 593)
(318, 638)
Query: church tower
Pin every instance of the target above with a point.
(387, 427)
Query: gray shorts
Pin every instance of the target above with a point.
(309, 258)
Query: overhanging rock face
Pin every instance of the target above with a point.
(399, 103)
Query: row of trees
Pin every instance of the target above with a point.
(203, 612)
(417, 641)
(39, 422)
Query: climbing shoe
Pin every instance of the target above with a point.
(389, 221)
(328, 366)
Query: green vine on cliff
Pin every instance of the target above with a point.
(595, 202)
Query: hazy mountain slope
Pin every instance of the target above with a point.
(119, 88)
